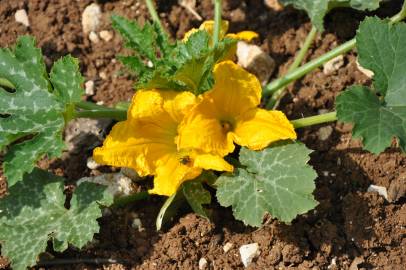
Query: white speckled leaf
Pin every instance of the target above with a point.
(276, 180)
(32, 110)
(32, 214)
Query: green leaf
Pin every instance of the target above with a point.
(67, 80)
(32, 214)
(30, 110)
(317, 9)
(169, 209)
(276, 180)
(196, 195)
(377, 120)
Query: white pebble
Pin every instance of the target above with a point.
(94, 37)
(378, 189)
(22, 17)
(89, 88)
(227, 247)
(137, 224)
(117, 183)
(324, 133)
(249, 252)
(255, 60)
(273, 4)
(202, 264)
(91, 18)
(132, 174)
(333, 65)
(92, 164)
(106, 35)
(103, 75)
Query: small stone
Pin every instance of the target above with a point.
(333, 65)
(202, 264)
(92, 164)
(89, 88)
(91, 18)
(255, 60)
(273, 4)
(106, 35)
(367, 72)
(94, 37)
(324, 133)
(378, 189)
(248, 253)
(132, 174)
(357, 261)
(117, 183)
(137, 224)
(103, 75)
(22, 17)
(227, 247)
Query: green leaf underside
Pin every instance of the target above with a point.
(377, 120)
(184, 66)
(33, 214)
(276, 180)
(317, 9)
(33, 111)
(196, 195)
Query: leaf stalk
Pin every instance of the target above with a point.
(154, 14)
(314, 120)
(217, 21)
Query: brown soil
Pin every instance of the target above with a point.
(349, 229)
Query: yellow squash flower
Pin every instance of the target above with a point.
(208, 26)
(228, 113)
(146, 142)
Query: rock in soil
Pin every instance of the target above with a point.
(248, 253)
(131, 173)
(255, 60)
(227, 247)
(333, 65)
(89, 88)
(117, 183)
(273, 4)
(94, 37)
(106, 35)
(324, 133)
(202, 264)
(22, 17)
(92, 164)
(378, 189)
(91, 17)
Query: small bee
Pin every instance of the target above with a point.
(185, 160)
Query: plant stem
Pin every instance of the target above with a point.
(124, 200)
(154, 14)
(6, 83)
(276, 97)
(306, 68)
(86, 105)
(314, 120)
(310, 66)
(118, 115)
(217, 21)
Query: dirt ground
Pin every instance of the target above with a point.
(349, 229)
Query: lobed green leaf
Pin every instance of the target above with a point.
(276, 180)
(33, 214)
(378, 119)
(33, 112)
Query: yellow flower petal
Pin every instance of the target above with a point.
(244, 35)
(212, 162)
(235, 90)
(208, 26)
(201, 129)
(258, 128)
(124, 148)
(171, 174)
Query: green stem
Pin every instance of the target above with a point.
(6, 83)
(314, 120)
(310, 66)
(154, 14)
(118, 115)
(277, 96)
(124, 200)
(86, 105)
(217, 21)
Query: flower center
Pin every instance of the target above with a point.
(226, 126)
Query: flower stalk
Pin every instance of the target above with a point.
(154, 14)
(277, 96)
(314, 120)
(217, 21)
